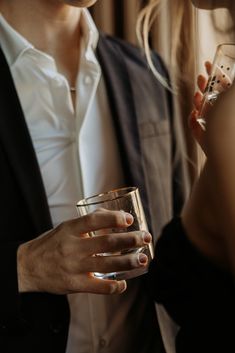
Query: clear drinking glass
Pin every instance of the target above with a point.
(128, 200)
(221, 78)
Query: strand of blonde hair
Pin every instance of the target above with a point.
(144, 23)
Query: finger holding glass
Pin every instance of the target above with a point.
(221, 78)
(62, 260)
(126, 200)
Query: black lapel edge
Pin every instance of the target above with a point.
(17, 144)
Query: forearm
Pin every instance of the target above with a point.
(201, 218)
(221, 157)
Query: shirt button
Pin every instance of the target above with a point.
(87, 80)
(102, 343)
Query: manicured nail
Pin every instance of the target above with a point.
(143, 259)
(146, 237)
(129, 218)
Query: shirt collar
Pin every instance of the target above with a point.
(89, 30)
(14, 44)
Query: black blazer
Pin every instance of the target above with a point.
(142, 115)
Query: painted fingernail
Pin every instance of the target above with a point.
(129, 218)
(146, 237)
(143, 259)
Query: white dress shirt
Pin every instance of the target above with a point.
(70, 144)
(78, 156)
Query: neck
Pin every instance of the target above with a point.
(47, 24)
(232, 12)
(51, 26)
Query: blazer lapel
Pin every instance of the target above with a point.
(16, 141)
(18, 145)
(124, 115)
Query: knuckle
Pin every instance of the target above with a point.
(63, 249)
(90, 219)
(60, 227)
(111, 241)
(132, 240)
(137, 240)
(70, 283)
(85, 221)
(119, 218)
(100, 210)
(132, 262)
(63, 227)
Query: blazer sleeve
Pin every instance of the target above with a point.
(180, 177)
(10, 312)
(197, 293)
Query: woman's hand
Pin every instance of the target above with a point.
(196, 128)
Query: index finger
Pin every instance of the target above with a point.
(100, 219)
(208, 66)
(202, 83)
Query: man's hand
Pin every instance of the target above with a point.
(62, 260)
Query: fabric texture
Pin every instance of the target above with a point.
(198, 294)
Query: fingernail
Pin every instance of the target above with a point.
(143, 259)
(121, 286)
(129, 218)
(146, 237)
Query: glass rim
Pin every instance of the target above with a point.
(129, 190)
(224, 45)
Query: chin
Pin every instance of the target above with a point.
(213, 4)
(210, 4)
(80, 3)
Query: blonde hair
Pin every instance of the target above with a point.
(181, 36)
(144, 23)
(179, 60)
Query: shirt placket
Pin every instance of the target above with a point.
(87, 85)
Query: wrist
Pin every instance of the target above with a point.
(24, 282)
